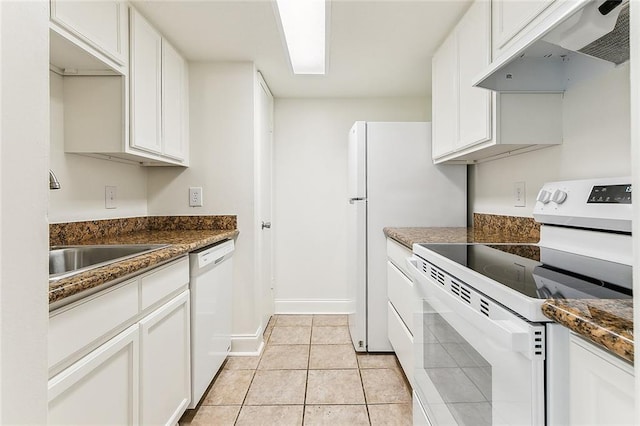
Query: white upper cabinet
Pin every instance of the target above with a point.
(99, 27)
(510, 17)
(174, 77)
(472, 124)
(474, 54)
(146, 60)
(444, 98)
(158, 94)
(142, 116)
(462, 113)
(102, 24)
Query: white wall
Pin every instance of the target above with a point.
(310, 194)
(596, 123)
(24, 140)
(635, 163)
(222, 163)
(83, 178)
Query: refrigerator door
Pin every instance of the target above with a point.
(357, 161)
(404, 189)
(357, 272)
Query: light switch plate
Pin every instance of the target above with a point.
(110, 194)
(519, 194)
(195, 196)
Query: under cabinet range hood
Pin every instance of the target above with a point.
(580, 38)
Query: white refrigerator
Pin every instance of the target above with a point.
(392, 183)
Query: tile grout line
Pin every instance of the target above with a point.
(306, 382)
(366, 405)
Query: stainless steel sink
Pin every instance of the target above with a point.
(65, 261)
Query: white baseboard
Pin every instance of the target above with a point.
(312, 306)
(247, 344)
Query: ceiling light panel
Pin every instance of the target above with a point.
(303, 23)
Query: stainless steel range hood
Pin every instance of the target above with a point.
(579, 39)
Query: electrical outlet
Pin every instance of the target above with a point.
(110, 197)
(519, 195)
(195, 196)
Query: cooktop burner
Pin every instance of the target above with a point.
(519, 267)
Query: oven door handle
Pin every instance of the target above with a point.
(507, 333)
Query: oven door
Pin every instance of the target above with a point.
(476, 363)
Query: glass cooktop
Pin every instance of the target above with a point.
(539, 272)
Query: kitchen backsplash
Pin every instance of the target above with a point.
(78, 232)
(515, 228)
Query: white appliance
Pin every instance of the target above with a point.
(484, 352)
(211, 272)
(576, 40)
(392, 182)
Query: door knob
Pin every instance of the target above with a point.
(266, 225)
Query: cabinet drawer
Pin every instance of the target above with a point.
(401, 294)
(90, 320)
(163, 282)
(397, 254)
(402, 342)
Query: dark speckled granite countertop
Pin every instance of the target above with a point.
(180, 242)
(410, 236)
(608, 323)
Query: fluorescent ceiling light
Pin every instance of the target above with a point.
(303, 24)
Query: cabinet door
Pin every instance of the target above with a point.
(601, 387)
(165, 379)
(444, 98)
(509, 17)
(101, 388)
(145, 66)
(473, 55)
(173, 102)
(102, 24)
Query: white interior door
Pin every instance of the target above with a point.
(264, 118)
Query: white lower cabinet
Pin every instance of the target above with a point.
(101, 388)
(601, 386)
(400, 307)
(165, 387)
(419, 416)
(401, 340)
(141, 375)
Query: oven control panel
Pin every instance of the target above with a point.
(610, 194)
(601, 204)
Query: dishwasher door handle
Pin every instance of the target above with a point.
(215, 254)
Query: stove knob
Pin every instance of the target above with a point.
(558, 196)
(544, 196)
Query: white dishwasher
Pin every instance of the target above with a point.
(211, 271)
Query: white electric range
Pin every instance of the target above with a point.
(485, 354)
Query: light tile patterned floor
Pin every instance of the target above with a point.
(307, 374)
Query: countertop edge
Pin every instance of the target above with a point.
(115, 272)
(605, 337)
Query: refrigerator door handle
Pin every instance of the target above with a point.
(353, 200)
